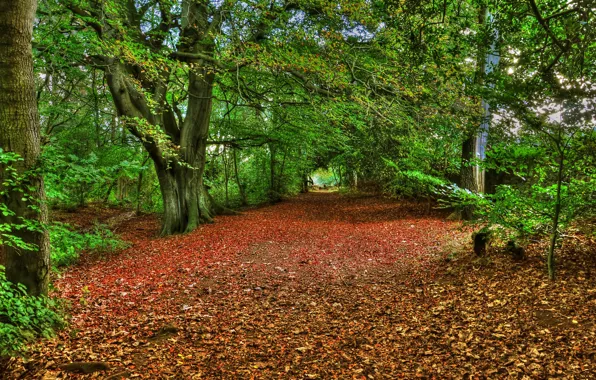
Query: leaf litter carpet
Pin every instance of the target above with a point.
(321, 286)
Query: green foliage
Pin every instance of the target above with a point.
(380, 93)
(77, 177)
(525, 207)
(67, 244)
(12, 180)
(72, 181)
(24, 318)
(414, 183)
(509, 213)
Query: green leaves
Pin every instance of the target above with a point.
(23, 318)
(67, 244)
(15, 181)
(414, 183)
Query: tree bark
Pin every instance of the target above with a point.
(550, 258)
(471, 175)
(226, 175)
(185, 199)
(20, 133)
(467, 174)
(273, 194)
(467, 179)
(304, 182)
(240, 186)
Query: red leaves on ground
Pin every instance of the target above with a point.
(321, 286)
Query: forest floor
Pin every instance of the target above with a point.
(322, 286)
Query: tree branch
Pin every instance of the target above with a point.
(312, 87)
(544, 24)
(86, 17)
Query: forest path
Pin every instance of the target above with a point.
(274, 291)
(319, 237)
(320, 286)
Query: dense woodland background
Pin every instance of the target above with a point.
(193, 109)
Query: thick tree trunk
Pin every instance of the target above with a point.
(185, 200)
(468, 172)
(195, 204)
(468, 179)
(20, 133)
(185, 197)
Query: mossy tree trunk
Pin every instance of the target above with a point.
(142, 105)
(20, 133)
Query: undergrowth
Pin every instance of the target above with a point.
(67, 244)
(24, 318)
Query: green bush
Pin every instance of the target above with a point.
(414, 183)
(14, 181)
(66, 244)
(24, 318)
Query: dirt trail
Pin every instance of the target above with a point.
(320, 286)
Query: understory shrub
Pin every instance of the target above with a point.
(414, 183)
(67, 244)
(509, 214)
(24, 318)
(524, 214)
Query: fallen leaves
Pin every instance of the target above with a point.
(320, 287)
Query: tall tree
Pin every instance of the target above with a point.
(162, 60)
(472, 176)
(20, 134)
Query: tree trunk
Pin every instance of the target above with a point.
(467, 174)
(273, 194)
(472, 174)
(20, 133)
(304, 182)
(550, 258)
(185, 199)
(240, 187)
(226, 175)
